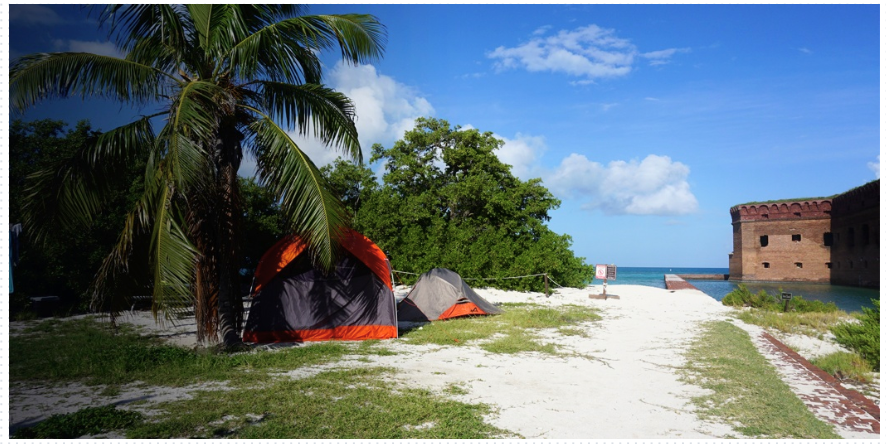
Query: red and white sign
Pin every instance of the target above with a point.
(600, 271)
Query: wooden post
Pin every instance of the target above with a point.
(547, 295)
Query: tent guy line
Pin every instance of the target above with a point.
(489, 279)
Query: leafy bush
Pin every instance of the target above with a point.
(742, 297)
(88, 421)
(864, 337)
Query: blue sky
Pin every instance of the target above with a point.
(648, 121)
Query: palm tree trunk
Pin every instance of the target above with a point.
(228, 154)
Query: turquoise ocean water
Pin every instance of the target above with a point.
(846, 298)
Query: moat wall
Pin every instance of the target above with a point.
(830, 240)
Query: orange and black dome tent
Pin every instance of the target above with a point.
(294, 302)
(442, 294)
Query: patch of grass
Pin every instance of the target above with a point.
(344, 404)
(518, 341)
(811, 323)
(746, 389)
(88, 421)
(572, 331)
(844, 365)
(455, 389)
(510, 332)
(84, 349)
(371, 347)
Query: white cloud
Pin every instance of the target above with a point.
(96, 47)
(654, 186)
(385, 111)
(805, 50)
(541, 30)
(875, 166)
(522, 154)
(589, 51)
(33, 15)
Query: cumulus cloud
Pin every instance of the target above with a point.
(875, 166)
(654, 186)
(386, 109)
(522, 154)
(589, 51)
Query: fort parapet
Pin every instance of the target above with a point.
(827, 240)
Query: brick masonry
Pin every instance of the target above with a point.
(834, 240)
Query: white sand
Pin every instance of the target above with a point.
(620, 382)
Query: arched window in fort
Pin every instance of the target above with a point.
(764, 240)
(828, 239)
(850, 235)
(798, 264)
(865, 235)
(795, 237)
(828, 264)
(765, 264)
(851, 265)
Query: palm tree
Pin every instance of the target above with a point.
(221, 77)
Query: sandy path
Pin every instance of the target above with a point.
(629, 390)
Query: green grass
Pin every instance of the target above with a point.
(746, 389)
(361, 403)
(844, 365)
(88, 421)
(510, 332)
(86, 350)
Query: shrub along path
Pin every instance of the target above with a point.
(852, 414)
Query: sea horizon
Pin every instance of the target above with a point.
(849, 299)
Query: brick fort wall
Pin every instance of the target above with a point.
(829, 240)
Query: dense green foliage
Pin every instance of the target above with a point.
(88, 421)
(742, 297)
(66, 262)
(863, 337)
(446, 200)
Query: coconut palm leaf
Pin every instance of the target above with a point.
(40, 76)
(173, 259)
(329, 113)
(129, 25)
(305, 200)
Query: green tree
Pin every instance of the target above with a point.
(222, 76)
(63, 265)
(448, 201)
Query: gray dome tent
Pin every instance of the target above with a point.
(442, 294)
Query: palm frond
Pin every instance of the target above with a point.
(173, 258)
(278, 53)
(310, 208)
(130, 24)
(40, 76)
(361, 37)
(190, 128)
(123, 144)
(216, 27)
(311, 107)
